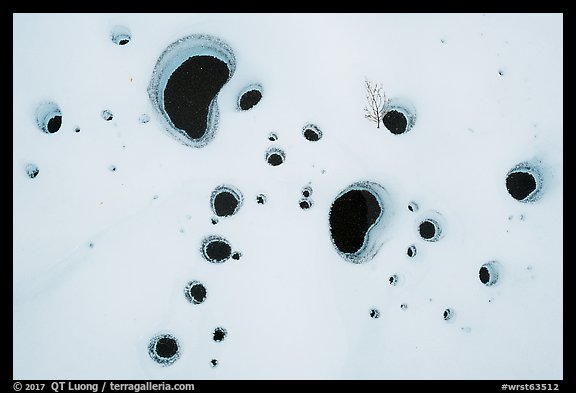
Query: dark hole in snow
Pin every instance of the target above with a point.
(112, 168)
(213, 362)
(520, 184)
(236, 256)
(429, 230)
(226, 200)
(272, 137)
(250, 98)
(190, 91)
(411, 251)
(260, 199)
(219, 334)
(393, 280)
(489, 273)
(374, 313)
(305, 204)
(214, 221)
(144, 118)
(413, 206)
(307, 191)
(107, 115)
(216, 249)
(54, 124)
(448, 314)
(195, 292)
(164, 349)
(312, 133)
(395, 122)
(120, 35)
(403, 306)
(351, 216)
(275, 156)
(76, 129)
(32, 170)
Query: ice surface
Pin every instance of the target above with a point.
(101, 257)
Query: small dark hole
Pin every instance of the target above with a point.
(213, 362)
(214, 221)
(236, 256)
(197, 293)
(123, 42)
(374, 313)
(250, 99)
(77, 129)
(261, 199)
(305, 204)
(411, 251)
(219, 334)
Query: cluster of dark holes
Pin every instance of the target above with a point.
(306, 201)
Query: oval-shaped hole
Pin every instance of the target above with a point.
(226, 200)
(49, 117)
(195, 292)
(489, 273)
(275, 156)
(216, 249)
(120, 35)
(312, 132)
(524, 182)
(249, 97)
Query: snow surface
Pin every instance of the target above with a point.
(101, 257)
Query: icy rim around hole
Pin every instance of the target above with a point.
(533, 169)
(172, 58)
(374, 236)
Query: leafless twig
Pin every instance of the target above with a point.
(376, 102)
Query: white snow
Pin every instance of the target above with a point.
(292, 306)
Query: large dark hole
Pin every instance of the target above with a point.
(54, 124)
(351, 215)
(311, 135)
(225, 204)
(249, 99)
(395, 122)
(190, 91)
(217, 251)
(520, 184)
(484, 274)
(427, 230)
(166, 347)
(195, 292)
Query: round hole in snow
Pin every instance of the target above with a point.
(430, 226)
(195, 292)
(411, 251)
(32, 170)
(164, 349)
(312, 132)
(219, 334)
(48, 117)
(260, 199)
(77, 129)
(275, 156)
(374, 313)
(226, 200)
(399, 117)
(305, 203)
(216, 249)
(107, 114)
(236, 255)
(306, 192)
(524, 182)
(489, 273)
(249, 97)
(213, 363)
(120, 35)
